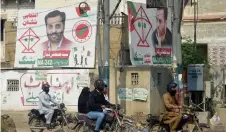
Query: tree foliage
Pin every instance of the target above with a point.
(191, 54)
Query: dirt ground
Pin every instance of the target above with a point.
(21, 120)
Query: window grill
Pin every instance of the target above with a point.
(134, 78)
(12, 85)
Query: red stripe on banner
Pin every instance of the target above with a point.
(163, 51)
(60, 54)
(130, 17)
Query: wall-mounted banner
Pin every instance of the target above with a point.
(56, 38)
(140, 94)
(125, 94)
(150, 36)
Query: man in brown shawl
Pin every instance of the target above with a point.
(171, 115)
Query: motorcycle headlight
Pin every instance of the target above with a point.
(185, 116)
(121, 111)
(148, 118)
(65, 109)
(62, 105)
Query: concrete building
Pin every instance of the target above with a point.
(129, 78)
(122, 74)
(211, 32)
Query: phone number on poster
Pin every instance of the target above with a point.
(53, 62)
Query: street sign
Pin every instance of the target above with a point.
(156, 3)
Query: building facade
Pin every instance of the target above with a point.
(13, 95)
(211, 32)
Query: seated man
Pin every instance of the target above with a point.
(45, 106)
(97, 103)
(171, 115)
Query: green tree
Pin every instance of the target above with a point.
(192, 54)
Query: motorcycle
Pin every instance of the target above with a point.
(155, 125)
(114, 121)
(60, 118)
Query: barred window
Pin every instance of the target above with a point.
(134, 78)
(159, 78)
(12, 85)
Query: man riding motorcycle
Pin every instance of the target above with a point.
(45, 106)
(171, 115)
(97, 103)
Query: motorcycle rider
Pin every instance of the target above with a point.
(171, 115)
(83, 101)
(97, 103)
(45, 105)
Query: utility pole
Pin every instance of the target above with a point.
(106, 42)
(177, 57)
(98, 45)
(224, 83)
(195, 20)
(176, 33)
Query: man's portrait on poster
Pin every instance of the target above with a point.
(162, 36)
(55, 26)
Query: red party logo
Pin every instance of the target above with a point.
(82, 31)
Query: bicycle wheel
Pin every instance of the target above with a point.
(36, 123)
(125, 127)
(82, 128)
(203, 129)
(158, 128)
(71, 124)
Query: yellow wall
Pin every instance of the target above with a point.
(153, 104)
(124, 81)
(10, 43)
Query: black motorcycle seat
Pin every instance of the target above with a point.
(36, 112)
(85, 118)
(82, 114)
(155, 118)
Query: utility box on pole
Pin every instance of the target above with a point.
(195, 76)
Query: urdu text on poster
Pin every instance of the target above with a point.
(56, 38)
(150, 36)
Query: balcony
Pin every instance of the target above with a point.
(17, 4)
(11, 7)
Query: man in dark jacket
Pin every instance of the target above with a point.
(97, 103)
